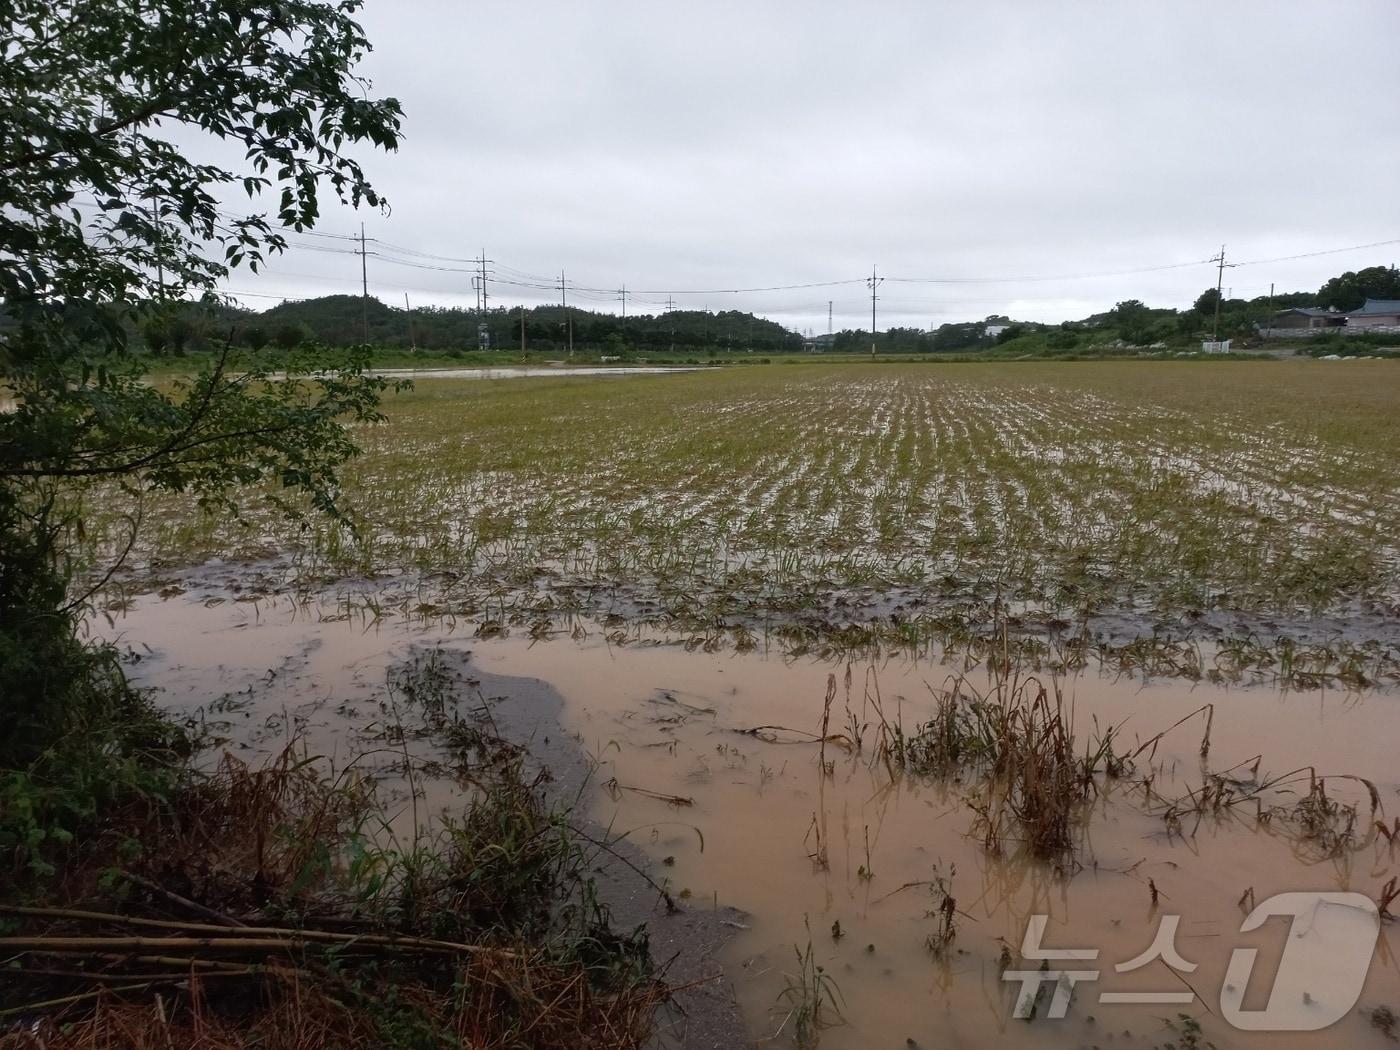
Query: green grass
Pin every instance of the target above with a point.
(847, 504)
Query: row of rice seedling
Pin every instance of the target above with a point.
(1105, 502)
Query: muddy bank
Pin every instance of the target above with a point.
(251, 684)
(835, 853)
(684, 940)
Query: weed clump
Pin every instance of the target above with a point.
(277, 907)
(812, 997)
(1018, 742)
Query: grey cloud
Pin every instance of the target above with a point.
(717, 145)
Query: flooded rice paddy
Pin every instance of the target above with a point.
(834, 849)
(528, 372)
(748, 589)
(1205, 520)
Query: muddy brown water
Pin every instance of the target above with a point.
(660, 724)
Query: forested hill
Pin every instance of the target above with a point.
(338, 320)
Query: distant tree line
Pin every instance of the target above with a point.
(890, 341)
(1134, 323)
(340, 320)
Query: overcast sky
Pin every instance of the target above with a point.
(677, 147)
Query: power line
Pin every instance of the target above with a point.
(422, 260)
(524, 279)
(1313, 255)
(1044, 277)
(262, 295)
(535, 282)
(394, 254)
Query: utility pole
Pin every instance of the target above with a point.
(830, 332)
(522, 328)
(1219, 281)
(568, 317)
(622, 294)
(670, 308)
(409, 311)
(482, 260)
(364, 285)
(483, 331)
(874, 283)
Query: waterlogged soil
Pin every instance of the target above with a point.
(1233, 519)
(1358, 645)
(526, 372)
(775, 851)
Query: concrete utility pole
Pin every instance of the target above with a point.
(483, 331)
(364, 286)
(568, 318)
(622, 294)
(874, 283)
(408, 310)
(670, 308)
(522, 328)
(829, 330)
(1219, 281)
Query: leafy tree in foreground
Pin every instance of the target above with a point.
(104, 218)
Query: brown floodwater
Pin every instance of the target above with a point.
(731, 819)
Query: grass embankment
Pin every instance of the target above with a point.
(843, 506)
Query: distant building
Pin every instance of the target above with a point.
(1376, 313)
(991, 331)
(1307, 317)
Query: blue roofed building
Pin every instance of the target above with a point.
(1383, 314)
(1374, 315)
